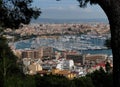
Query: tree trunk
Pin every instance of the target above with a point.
(113, 14)
(112, 10)
(115, 43)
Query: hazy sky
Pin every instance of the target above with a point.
(68, 9)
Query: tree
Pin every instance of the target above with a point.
(112, 10)
(108, 68)
(52, 81)
(83, 82)
(101, 78)
(12, 14)
(8, 65)
(108, 43)
(15, 12)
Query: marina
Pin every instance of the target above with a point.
(84, 43)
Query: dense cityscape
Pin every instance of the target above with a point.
(59, 48)
(60, 29)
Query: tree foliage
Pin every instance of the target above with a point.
(83, 82)
(100, 78)
(83, 3)
(8, 65)
(12, 14)
(108, 43)
(108, 67)
(52, 81)
(15, 12)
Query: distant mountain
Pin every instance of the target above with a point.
(57, 21)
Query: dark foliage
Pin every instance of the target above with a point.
(8, 65)
(83, 3)
(7, 55)
(83, 82)
(108, 67)
(52, 81)
(15, 12)
(12, 14)
(108, 43)
(100, 78)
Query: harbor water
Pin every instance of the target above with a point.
(86, 44)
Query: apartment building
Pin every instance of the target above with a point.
(42, 52)
(47, 52)
(93, 59)
(30, 54)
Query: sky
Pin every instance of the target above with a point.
(68, 9)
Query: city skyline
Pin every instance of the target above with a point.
(68, 9)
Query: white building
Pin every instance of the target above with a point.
(65, 64)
